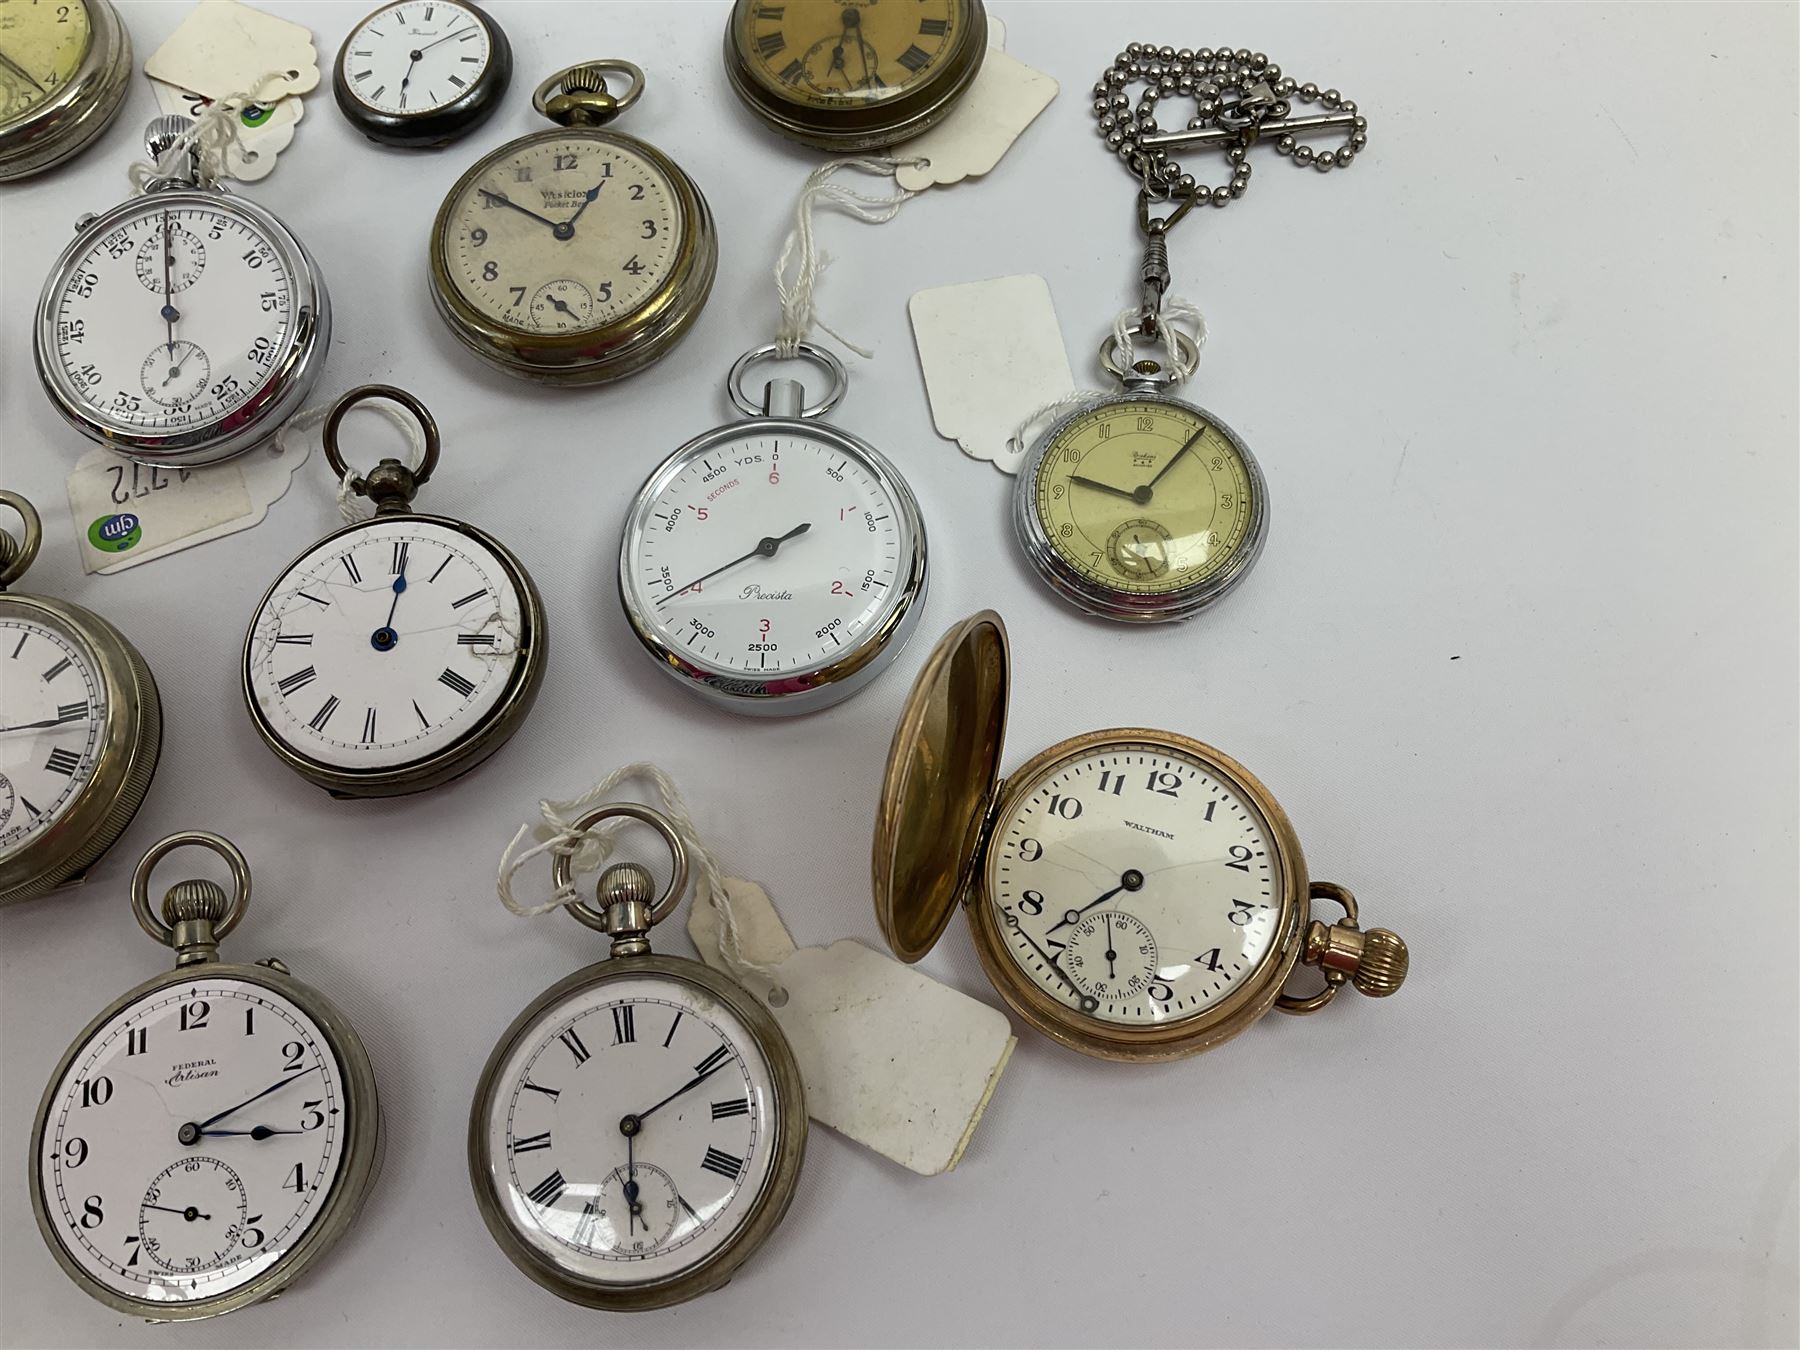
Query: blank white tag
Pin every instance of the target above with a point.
(892, 1059)
(992, 353)
(224, 48)
(126, 514)
(1006, 98)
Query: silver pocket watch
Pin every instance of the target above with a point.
(184, 326)
(64, 68)
(421, 73)
(776, 564)
(398, 652)
(212, 1133)
(638, 1132)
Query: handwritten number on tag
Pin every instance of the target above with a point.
(131, 482)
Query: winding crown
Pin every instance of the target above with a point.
(190, 900)
(584, 80)
(1382, 969)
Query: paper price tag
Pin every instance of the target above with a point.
(892, 1059)
(223, 48)
(1005, 98)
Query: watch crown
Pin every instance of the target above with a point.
(1382, 969)
(584, 80)
(188, 901)
(625, 892)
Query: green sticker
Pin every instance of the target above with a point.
(255, 114)
(115, 534)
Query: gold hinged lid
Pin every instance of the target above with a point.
(942, 771)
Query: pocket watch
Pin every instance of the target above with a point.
(183, 326)
(64, 67)
(80, 729)
(1133, 894)
(213, 1132)
(398, 652)
(422, 73)
(776, 564)
(847, 75)
(645, 1093)
(576, 255)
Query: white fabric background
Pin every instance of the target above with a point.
(1520, 661)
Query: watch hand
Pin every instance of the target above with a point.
(399, 590)
(273, 1087)
(190, 1213)
(691, 1083)
(434, 42)
(258, 1132)
(1104, 487)
(1050, 961)
(1111, 955)
(169, 314)
(505, 200)
(22, 73)
(586, 202)
(1132, 880)
(47, 722)
(1188, 445)
(766, 547)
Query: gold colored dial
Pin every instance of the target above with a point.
(836, 53)
(1145, 497)
(562, 233)
(42, 43)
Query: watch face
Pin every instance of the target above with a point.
(629, 1131)
(52, 724)
(767, 550)
(1134, 883)
(561, 233)
(175, 316)
(856, 53)
(386, 644)
(417, 57)
(1145, 497)
(42, 43)
(194, 1140)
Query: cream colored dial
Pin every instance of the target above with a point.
(563, 232)
(833, 53)
(42, 43)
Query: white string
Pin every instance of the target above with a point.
(213, 133)
(589, 850)
(353, 505)
(799, 314)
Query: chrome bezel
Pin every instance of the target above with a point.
(65, 124)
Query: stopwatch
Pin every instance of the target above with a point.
(64, 69)
(775, 564)
(575, 255)
(422, 73)
(1133, 894)
(638, 1132)
(212, 1133)
(80, 729)
(398, 652)
(183, 326)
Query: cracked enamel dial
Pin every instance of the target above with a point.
(42, 43)
(629, 1130)
(1134, 884)
(52, 724)
(385, 644)
(193, 1141)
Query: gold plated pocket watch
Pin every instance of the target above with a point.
(213, 1132)
(575, 255)
(1133, 894)
(638, 1131)
(398, 652)
(80, 729)
(64, 67)
(847, 75)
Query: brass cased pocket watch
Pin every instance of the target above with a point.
(64, 68)
(576, 255)
(398, 652)
(419, 74)
(212, 1133)
(846, 75)
(1133, 894)
(80, 729)
(645, 1093)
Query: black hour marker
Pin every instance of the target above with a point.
(321, 717)
(56, 669)
(468, 599)
(26, 803)
(725, 1164)
(624, 1024)
(712, 1061)
(548, 1191)
(362, 75)
(793, 70)
(296, 639)
(23, 639)
(682, 1200)
(315, 599)
(457, 682)
(915, 58)
(63, 761)
(298, 680)
(368, 726)
(934, 27)
(576, 1048)
(379, 92)
(440, 570)
(672, 1026)
(137, 1041)
(773, 12)
(458, 81)
(585, 1225)
(72, 712)
(401, 549)
(770, 43)
(423, 720)
(551, 1093)
(738, 1107)
(350, 567)
(531, 1142)
(476, 639)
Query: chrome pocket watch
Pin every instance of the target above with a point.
(398, 652)
(777, 564)
(422, 73)
(80, 729)
(1133, 894)
(64, 67)
(183, 326)
(639, 1130)
(576, 255)
(849, 76)
(213, 1132)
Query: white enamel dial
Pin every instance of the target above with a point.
(771, 551)
(155, 1218)
(179, 316)
(52, 725)
(385, 644)
(1135, 884)
(416, 57)
(631, 1130)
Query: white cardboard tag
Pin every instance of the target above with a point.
(992, 353)
(127, 514)
(263, 130)
(891, 1058)
(224, 48)
(1005, 98)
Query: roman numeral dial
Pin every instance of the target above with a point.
(849, 56)
(53, 718)
(378, 69)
